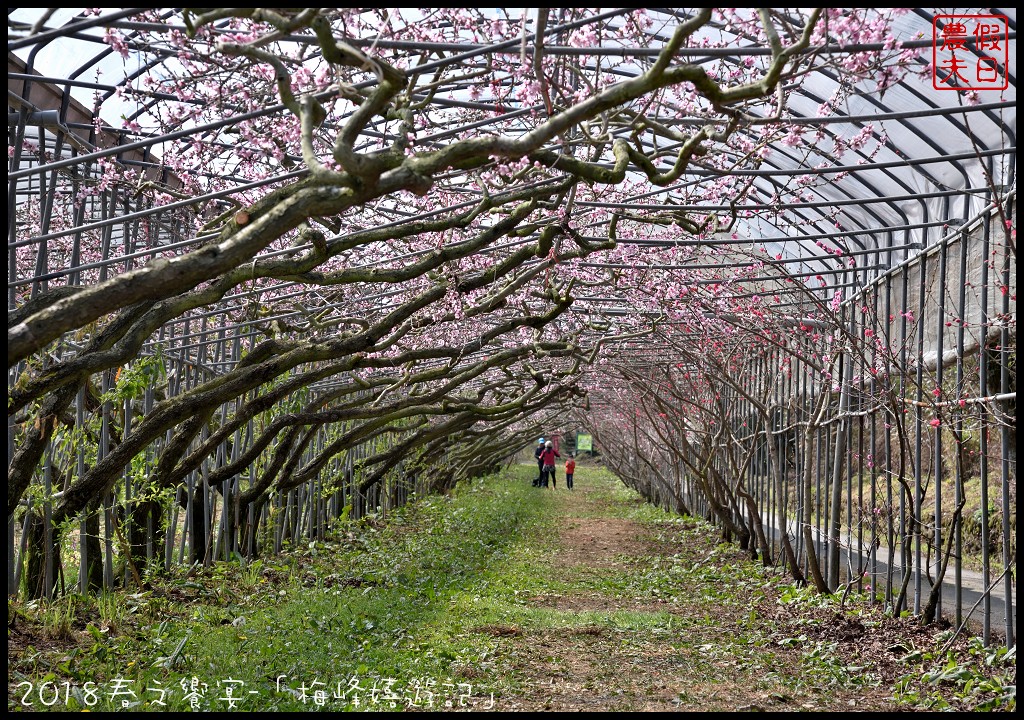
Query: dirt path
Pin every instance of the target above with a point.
(618, 647)
(590, 666)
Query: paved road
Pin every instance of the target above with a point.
(971, 590)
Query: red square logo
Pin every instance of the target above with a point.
(970, 52)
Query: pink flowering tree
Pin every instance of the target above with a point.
(410, 242)
(697, 411)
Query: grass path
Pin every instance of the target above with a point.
(502, 597)
(634, 610)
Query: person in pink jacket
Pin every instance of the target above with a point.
(547, 461)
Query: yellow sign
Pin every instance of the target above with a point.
(584, 442)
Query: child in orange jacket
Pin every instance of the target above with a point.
(570, 468)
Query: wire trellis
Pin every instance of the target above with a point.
(274, 271)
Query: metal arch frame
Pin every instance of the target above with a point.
(439, 62)
(195, 331)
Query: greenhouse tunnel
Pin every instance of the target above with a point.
(271, 271)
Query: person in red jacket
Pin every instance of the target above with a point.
(547, 460)
(570, 468)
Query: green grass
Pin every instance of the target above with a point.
(380, 603)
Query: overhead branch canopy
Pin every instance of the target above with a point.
(426, 222)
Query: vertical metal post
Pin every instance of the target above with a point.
(839, 466)
(905, 538)
(919, 435)
(940, 317)
(871, 358)
(49, 561)
(108, 498)
(958, 479)
(1007, 445)
(984, 418)
(83, 527)
(128, 528)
